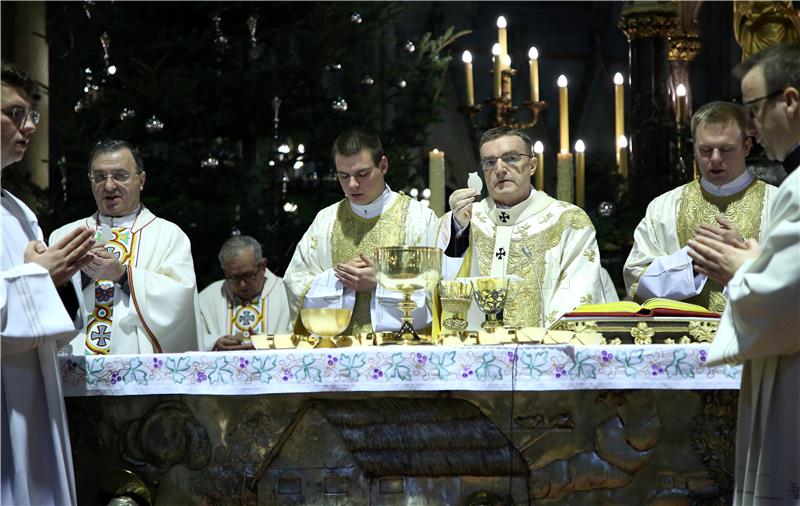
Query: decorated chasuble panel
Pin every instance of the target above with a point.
(248, 318)
(100, 321)
(743, 209)
(353, 234)
(540, 234)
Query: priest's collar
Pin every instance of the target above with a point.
(119, 221)
(725, 190)
(375, 207)
(508, 216)
(792, 160)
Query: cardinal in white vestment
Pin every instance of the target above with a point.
(140, 290)
(40, 307)
(659, 264)
(333, 265)
(761, 323)
(250, 300)
(521, 232)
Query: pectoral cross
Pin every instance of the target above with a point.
(504, 217)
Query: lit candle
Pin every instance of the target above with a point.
(436, 181)
(502, 35)
(497, 71)
(563, 109)
(619, 110)
(506, 60)
(533, 63)
(467, 59)
(564, 177)
(580, 174)
(538, 148)
(622, 146)
(681, 102)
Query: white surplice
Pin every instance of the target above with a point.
(160, 313)
(659, 265)
(760, 327)
(216, 310)
(36, 453)
(310, 281)
(548, 243)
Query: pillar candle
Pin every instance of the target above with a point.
(538, 148)
(563, 116)
(533, 63)
(680, 91)
(580, 174)
(436, 181)
(619, 110)
(467, 59)
(502, 35)
(497, 71)
(564, 184)
(506, 60)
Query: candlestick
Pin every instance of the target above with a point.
(502, 35)
(622, 154)
(538, 148)
(436, 181)
(580, 174)
(680, 91)
(467, 59)
(619, 110)
(564, 184)
(563, 117)
(533, 63)
(497, 71)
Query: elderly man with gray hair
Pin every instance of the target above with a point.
(250, 300)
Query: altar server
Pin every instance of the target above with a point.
(761, 320)
(520, 231)
(140, 287)
(659, 264)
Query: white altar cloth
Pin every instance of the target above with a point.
(398, 368)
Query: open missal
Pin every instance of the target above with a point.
(651, 307)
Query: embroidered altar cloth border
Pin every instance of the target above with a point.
(399, 368)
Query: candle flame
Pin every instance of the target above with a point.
(533, 53)
(562, 81)
(580, 147)
(618, 79)
(622, 142)
(496, 49)
(501, 22)
(681, 90)
(435, 150)
(538, 147)
(506, 60)
(466, 57)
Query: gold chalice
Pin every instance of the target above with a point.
(490, 294)
(456, 298)
(325, 324)
(407, 269)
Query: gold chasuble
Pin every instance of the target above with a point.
(353, 234)
(697, 206)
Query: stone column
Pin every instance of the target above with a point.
(653, 149)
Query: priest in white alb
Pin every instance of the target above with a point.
(140, 289)
(333, 265)
(547, 244)
(759, 327)
(659, 264)
(250, 300)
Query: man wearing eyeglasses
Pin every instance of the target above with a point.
(519, 231)
(761, 322)
(140, 286)
(659, 264)
(250, 300)
(332, 266)
(40, 309)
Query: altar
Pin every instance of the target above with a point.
(543, 424)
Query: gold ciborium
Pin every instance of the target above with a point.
(407, 269)
(456, 298)
(325, 324)
(490, 294)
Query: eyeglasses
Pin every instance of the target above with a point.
(19, 114)
(511, 158)
(753, 111)
(119, 177)
(247, 276)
